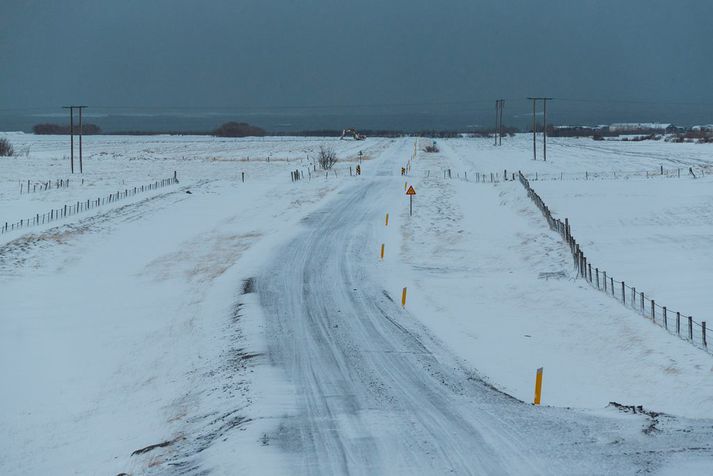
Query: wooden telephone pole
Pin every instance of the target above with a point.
(499, 104)
(500, 128)
(71, 134)
(534, 126)
(497, 120)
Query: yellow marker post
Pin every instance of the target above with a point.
(382, 251)
(403, 298)
(387, 219)
(405, 185)
(538, 385)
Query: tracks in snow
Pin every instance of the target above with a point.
(378, 395)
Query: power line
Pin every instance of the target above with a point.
(212, 107)
(368, 104)
(634, 101)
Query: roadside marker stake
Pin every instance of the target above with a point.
(403, 298)
(538, 386)
(382, 251)
(387, 219)
(405, 185)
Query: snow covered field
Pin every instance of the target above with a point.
(506, 282)
(251, 328)
(656, 234)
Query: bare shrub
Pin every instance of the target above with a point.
(431, 148)
(6, 149)
(326, 157)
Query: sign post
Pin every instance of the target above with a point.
(410, 192)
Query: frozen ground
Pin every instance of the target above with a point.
(655, 234)
(250, 328)
(489, 265)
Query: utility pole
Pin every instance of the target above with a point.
(499, 103)
(81, 168)
(497, 120)
(534, 126)
(544, 128)
(500, 131)
(534, 129)
(71, 134)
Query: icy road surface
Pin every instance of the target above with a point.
(378, 395)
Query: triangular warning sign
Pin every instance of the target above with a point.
(410, 190)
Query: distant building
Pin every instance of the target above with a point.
(575, 131)
(642, 127)
(703, 128)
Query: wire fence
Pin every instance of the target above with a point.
(74, 208)
(31, 187)
(674, 322)
(661, 172)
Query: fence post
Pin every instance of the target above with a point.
(584, 267)
(642, 304)
(678, 323)
(665, 318)
(596, 270)
(590, 272)
(653, 310)
(623, 296)
(703, 330)
(575, 255)
(566, 228)
(605, 280)
(690, 328)
(612, 286)
(633, 297)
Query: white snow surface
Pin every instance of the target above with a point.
(253, 329)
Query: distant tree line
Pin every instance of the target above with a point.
(238, 129)
(57, 129)
(338, 133)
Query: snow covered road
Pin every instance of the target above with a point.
(373, 397)
(377, 394)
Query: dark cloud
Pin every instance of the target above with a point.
(219, 53)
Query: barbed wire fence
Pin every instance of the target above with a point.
(674, 322)
(81, 206)
(497, 177)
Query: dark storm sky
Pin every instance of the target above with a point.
(254, 53)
